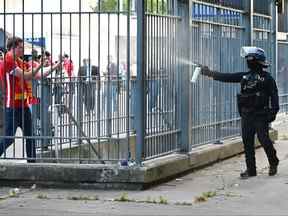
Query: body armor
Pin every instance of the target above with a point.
(252, 97)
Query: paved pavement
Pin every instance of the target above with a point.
(215, 190)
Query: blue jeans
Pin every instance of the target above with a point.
(111, 98)
(13, 120)
(115, 90)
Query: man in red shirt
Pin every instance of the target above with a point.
(68, 65)
(68, 83)
(17, 75)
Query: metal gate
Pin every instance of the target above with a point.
(162, 85)
(86, 112)
(89, 108)
(83, 114)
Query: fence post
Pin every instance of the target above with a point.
(274, 30)
(44, 112)
(248, 22)
(140, 82)
(184, 96)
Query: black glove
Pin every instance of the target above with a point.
(206, 71)
(271, 116)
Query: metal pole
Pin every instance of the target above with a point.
(251, 21)
(274, 30)
(80, 93)
(248, 22)
(183, 36)
(128, 82)
(140, 82)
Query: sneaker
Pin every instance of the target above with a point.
(246, 174)
(273, 170)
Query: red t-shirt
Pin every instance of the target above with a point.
(68, 67)
(2, 75)
(16, 88)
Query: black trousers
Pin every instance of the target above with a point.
(89, 90)
(251, 125)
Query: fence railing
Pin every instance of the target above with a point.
(162, 86)
(215, 43)
(91, 116)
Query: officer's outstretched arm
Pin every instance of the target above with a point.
(223, 77)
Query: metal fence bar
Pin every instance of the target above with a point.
(140, 101)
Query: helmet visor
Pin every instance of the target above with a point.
(246, 50)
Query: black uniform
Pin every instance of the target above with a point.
(258, 104)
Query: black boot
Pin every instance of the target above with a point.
(247, 174)
(273, 170)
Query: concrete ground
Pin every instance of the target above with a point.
(214, 190)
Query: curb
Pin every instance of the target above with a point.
(98, 176)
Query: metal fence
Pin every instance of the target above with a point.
(82, 119)
(215, 41)
(86, 116)
(162, 111)
(282, 75)
(263, 35)
(93, 115)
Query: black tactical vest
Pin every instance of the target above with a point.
(253, 95)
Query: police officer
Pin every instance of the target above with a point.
(258, 104)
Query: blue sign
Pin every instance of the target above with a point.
(205, 11)
(40, 41)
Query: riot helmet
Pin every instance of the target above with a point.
(254, 56)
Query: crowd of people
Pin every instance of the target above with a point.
(16, 76)
(19, 74)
